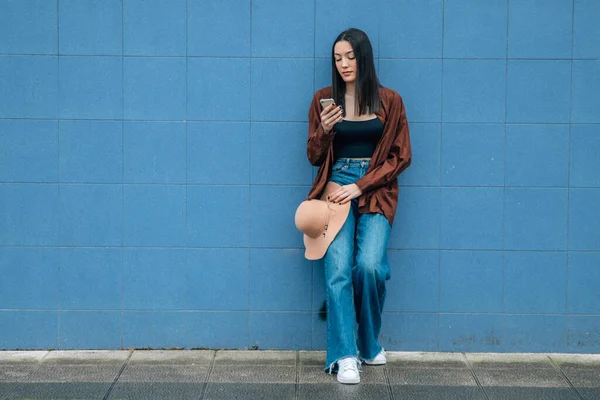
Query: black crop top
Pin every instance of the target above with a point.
(356, 139)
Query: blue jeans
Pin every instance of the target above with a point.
(356, 268)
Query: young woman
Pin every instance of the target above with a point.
(363, 149)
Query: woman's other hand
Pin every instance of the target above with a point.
(330, 116)
(345, 194)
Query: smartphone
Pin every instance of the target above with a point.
(326, 102)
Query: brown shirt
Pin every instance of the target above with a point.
(392, 154)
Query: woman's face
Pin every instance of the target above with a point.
(345, 61)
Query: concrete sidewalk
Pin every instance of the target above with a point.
(249, 375)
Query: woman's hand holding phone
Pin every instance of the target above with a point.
(330, 116)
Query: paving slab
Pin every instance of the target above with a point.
(582, 376)
(362, 391)
(74, 373)
(253, 374)
(425, 376)
(369, 375)
(314, 358)
(589, 393)
(499, 360)
(170, 357)
(82, 357)
(61, 390)
(578, 360)
(426, 360)
(15, 372)
(156, 391)
(11, 357)
(255, 357)
(530, 378)
(530, 393)
(432, 392)
(164, 373)
(6, 388)
(247, 391)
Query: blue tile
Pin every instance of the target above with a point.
(288, 141)
(90, 330)
(269, 269)
(586, 92)
(28, 151)
(209, 36)
(535, 282)
(536, 156)
(91, 151)
(232, 331)
(539, 29)
(218, 216)
(218, 89)
(471, 281)
(583, 281)
(319, 333)
(471, 333)
(29, 87)
(471, 218)
(154, 279)
(472, 155)
(425, 142)
(274, 226)
(29, 277)
(535, 333)
(291, 80)
(585, 163)
(28, 27)
(29, 215)
(417, 222)
(335, 16)
(531, 99)
(154, 215)
(422, 93)
(585, 29)
(409, 332)
(91, 87)
(90, 278)
(280, 330)
(475, 29)
(209, 144)
(91, 215)
(29, 330)
(323, 70)
(154, 88)
(154, 152)
(283, 29)
(583, 334)
(91, 27)
(584, 230)
(421, 33)
(474, 91)
(415, 282)
(155, 329)
(213, 272)
(535, 219)
(154, 27)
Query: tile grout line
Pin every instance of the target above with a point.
(110, 389)
(560, 371)
(24, 379)
(208, 375)
(472, 370)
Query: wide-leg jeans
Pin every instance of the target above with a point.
(356, 268)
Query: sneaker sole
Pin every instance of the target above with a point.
(376, 362)
(349, 381)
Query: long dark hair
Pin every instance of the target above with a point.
(366, 85)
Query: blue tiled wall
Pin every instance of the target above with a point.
(152, 155)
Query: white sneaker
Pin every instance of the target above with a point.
(348, 371)
(379, 359)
